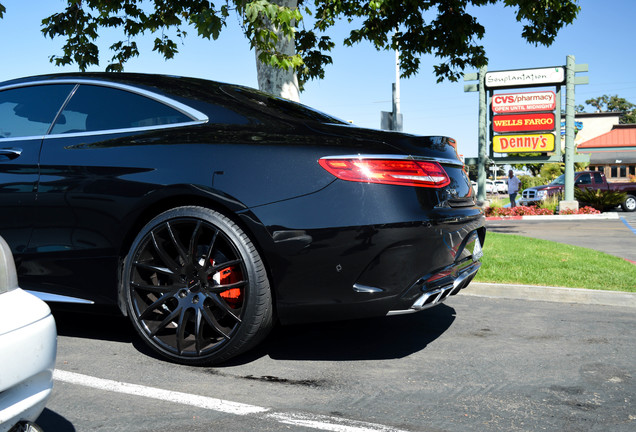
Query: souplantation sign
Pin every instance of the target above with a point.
(526, 77)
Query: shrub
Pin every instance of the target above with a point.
(551, 202)
(529, 181)
(532, 211)
(583, 210)
(517, 211)
(599, 199)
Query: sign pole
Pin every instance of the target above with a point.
(569, 201)
(483, 139)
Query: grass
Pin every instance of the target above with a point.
(522, 260)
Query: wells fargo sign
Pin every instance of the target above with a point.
(523, 143)
(523, 122)
(524, 102)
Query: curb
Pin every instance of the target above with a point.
(611, 215)
(551, 294)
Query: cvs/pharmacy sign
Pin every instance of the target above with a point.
(524, 102)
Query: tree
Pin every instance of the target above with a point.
(614, 103)
(442, 28)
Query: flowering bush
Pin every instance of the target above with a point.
(533, 211)
(583, 210)
(517, 211)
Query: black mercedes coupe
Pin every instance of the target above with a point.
(209, 211)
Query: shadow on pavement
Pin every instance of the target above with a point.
(365, 339)
(50, 421)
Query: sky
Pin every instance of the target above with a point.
(357, 86)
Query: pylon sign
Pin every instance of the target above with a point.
(524, 112)
(505, 137)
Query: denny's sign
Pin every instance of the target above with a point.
(523, 143)
(523, 122)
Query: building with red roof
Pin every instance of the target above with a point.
(613, 152)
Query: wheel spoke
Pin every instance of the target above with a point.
(209, 318)
(219, 267)
(181, 328)
(220, 288)
(165, 258)
(177, 243)
(155, 305)
(198, 332)
(208, 256)
(159, 289)
(163, 270)
(193, 243)
(224, 306)
(165, 322)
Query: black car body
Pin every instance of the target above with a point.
(165, 194)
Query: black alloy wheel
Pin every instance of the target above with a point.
(196, 289)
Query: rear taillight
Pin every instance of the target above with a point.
(388, 171)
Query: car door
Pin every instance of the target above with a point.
(92, 165)
(26, 115)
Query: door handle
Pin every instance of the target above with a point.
(10, 153)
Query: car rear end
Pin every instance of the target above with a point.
(28, 341)
(397, 230)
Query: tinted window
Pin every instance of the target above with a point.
(94, 108)
(29, 111)
(584, 179)
(597, 178)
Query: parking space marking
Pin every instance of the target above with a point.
(631, 228)
(320, 422)
(220, 405)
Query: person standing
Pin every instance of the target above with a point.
(513, 188)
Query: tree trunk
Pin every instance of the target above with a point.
(279, 82)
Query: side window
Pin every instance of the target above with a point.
(598, 179)
(29, 111)
(584, 179)
(95, 108)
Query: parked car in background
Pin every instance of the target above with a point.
(490, 187)
(208, 211)
(501, 186)
(594, 180)
(28, 344)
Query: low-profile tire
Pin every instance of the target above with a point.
(196, 288)
(629, 205)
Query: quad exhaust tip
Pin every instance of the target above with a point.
(439, 295)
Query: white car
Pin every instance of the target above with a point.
(501, 186)
(28, 346)
(490, 187)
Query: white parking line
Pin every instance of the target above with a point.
(326, 423)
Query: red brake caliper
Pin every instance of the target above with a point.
(230, 275)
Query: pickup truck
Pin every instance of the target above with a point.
(582, 179)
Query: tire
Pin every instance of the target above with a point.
(629, 205)
(196, 288)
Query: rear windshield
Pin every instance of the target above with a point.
(278, 106)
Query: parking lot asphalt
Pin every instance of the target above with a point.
(614, 234)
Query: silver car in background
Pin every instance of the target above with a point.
(28, 347)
